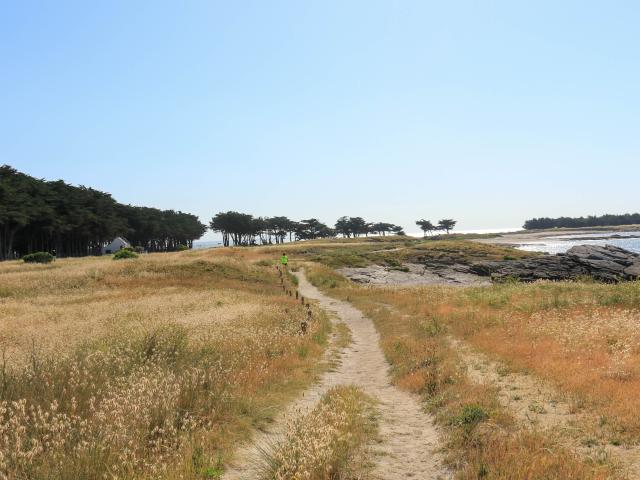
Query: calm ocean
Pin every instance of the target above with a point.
(563, 243)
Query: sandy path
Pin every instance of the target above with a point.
(538, 405)
(408, 435)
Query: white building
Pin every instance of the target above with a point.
(118, 243)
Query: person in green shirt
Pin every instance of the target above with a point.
(284, 260)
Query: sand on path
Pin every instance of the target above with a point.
(408, 437)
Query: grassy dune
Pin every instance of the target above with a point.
(147, 368)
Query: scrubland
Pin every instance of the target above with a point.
(393, 251)
(583, 337)
(149, 368)
(579, 337)
(160, 367)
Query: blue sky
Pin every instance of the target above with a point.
(487, 112)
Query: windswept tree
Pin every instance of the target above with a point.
(313, 228)
(242, 229)
(351, 226)
(447, 224)
(398, 230)
(381, 228)
(426, 226)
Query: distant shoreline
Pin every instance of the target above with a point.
(558, 240)
(523, 236)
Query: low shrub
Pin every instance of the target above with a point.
(182, 248)
(38, 257)
(470, 416)
(124, 254)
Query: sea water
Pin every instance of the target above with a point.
(562, 243)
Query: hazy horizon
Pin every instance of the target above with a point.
(488, 114)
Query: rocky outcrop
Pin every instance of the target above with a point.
(414, 274)
(545, 267)
(607, 263)
(604, 263)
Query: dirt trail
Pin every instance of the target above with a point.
(538, 405)
(408, 435)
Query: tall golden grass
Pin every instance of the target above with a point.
(328, 443)
(146, 368)
(485, 441)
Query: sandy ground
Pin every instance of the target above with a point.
(408, 437)
(538, 405)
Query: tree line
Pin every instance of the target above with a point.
(446, 224)
(53, 216)
(243, 229)
(607, 220)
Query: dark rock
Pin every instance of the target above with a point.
(633, 271)
(604, 263)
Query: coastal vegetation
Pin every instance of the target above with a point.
(124, 254)
(328, 442)
(155, 368)
(419, 327)
(607, 220)
(160, 367)
(38, 257)
(243, 229)
(355, 227)
(55, 217)
(446, 224)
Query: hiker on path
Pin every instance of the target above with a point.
(284, 261)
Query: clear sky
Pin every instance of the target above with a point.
(488, 112)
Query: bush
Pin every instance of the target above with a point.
(39, 257)
(182, 248)
(124, 254)
(470, 416)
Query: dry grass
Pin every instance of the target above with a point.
(148, 368)
(391, 251)
(485, 441)
(328, 443)
(582, 337)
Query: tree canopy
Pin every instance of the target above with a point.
(53, 216)
(606, 220)
(426, 226)
(243, 229)
(355, 226)
(447, 224)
